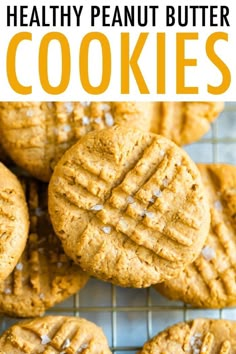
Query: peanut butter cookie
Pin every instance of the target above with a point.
(201, 336)
(210, 280)
(36, 134)
(62, 335)
(184, 122)
(44, 275)
(14, 221)
(129, 206)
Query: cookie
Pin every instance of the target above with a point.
(54, 334)
(210, 280)
(184, 122)
(200, 336)
(128, 206)
(36, 134)
(44, 275)
(14, 221)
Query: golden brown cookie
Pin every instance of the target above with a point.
(36, 134)
(54, 335)
(14, 221)
(128, 206)
(201, 336)
(44, 275)
(210, 280)
(184, 122)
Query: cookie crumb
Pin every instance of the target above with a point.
(85, 120)
(97, 207)
(19, 266)
(45, 339)
(66, 344)
(109, 120)
(208, 253)
(106, 229)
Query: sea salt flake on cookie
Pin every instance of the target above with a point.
(218, 205)
(85, 120)
(19, 266)
(97, 207)
(106, 229)
(109, 120)
(208, 253)
(66, 344)
(45, 339)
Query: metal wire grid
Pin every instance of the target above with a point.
(131, 316)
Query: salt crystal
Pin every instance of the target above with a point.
(41, 296)
(98, 120)
(106, 229)
(218, 206)
(157, 193)
(149, 214)
(83, 346)
(130, 200)
(165, 182)
(196, 343)
(68, 106)
(59, 264)
(208, 253)
(97, 207)
(85, 120)
(66, 128)
(45, 339)
(29, 113)
(85, 103)
(162, 153)
(109, 120)
(66, 344)
(7, 291)
(19, 266)
(106, 107)
(151, 200)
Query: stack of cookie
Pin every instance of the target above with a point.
(126, 205)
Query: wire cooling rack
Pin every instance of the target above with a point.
(131, 316)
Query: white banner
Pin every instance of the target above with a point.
(136, 50)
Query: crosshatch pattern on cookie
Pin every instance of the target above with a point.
(44, 275)
(210, 280)
(199, 336)
(68, 335)
(36, 134)
(116, 193)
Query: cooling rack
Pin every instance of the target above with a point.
(131, 316)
